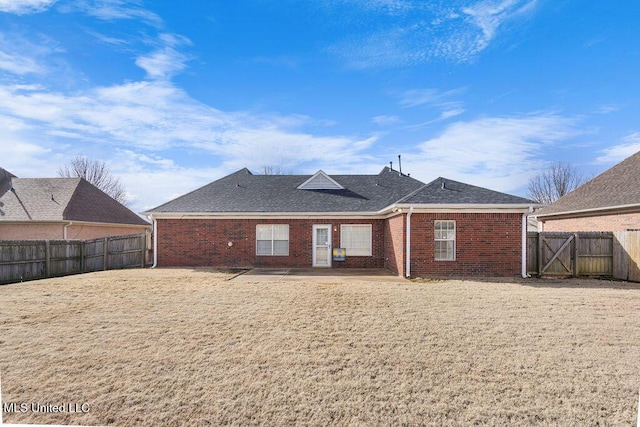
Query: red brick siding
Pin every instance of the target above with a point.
(204, 242)
(615, 222)
(487, 244)
(394, 237)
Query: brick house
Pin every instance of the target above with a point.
(388, 220)
(609, 202)
(61, 208)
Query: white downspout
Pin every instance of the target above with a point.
(64, 230)
(524, 243)
(407, 269)
(155, 241)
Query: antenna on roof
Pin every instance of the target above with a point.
(400, 163)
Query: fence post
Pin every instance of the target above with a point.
(47, 259)
(82, 256)
(143, 249)
(576, 255)
(105, 264)
(540, 261)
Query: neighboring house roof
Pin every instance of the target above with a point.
(243, 192)
(443, 191)
(617, 188)
(62, 199)
(5, 180)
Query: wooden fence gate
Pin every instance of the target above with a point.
(570, 254)
(595, 254)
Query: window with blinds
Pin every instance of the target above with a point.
(445, 241)
(272, 239)
(356, 239)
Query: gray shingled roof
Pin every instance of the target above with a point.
(243, 192)
(618, 186)
(443, 191)
(62, 199)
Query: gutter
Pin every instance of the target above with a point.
(155, 240)
(407, 269)
(64, 230)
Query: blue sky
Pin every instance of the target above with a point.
(173, 95)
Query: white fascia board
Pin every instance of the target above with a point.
(461, 208)
(585, 212)
(270, 215)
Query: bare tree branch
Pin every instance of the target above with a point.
(556, 181)
(96, 172)
(272, 170)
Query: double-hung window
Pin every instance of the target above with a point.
(272, 239)
(356, 239)
(445, 240)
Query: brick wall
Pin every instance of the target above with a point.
(615, 222)
(204, 242)
(487, 244)
(394, 237)
(37, 231)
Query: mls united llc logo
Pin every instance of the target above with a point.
(22, 407)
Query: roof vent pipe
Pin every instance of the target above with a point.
(400, 164)
(391, 165)
(442, 185)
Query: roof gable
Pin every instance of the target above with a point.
(5, 181)
(320, 181)
(615, 187)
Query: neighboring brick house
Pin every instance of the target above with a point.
(609, 202)
(61, 208)
(389, 220)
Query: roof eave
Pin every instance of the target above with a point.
(254, 215)
(466, 207)
(590, 212)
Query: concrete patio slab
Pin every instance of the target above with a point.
(325, 275)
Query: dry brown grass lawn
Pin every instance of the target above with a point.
(184, 347)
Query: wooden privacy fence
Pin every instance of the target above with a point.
(38, 259)
(599, 254)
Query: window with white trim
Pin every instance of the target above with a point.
(356, 239)
(445, 241)
(272, 239)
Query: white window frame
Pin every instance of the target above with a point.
(444, 235)
(356, 251)
(272, 231)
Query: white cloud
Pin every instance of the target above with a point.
(630, 145)
(500, 153)
(430, 96)
(22, 7)
(21, 56)
(385, 120)
(163, 63)
(148, 117)
(489, 15)
(418, 32)
(113, 10)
